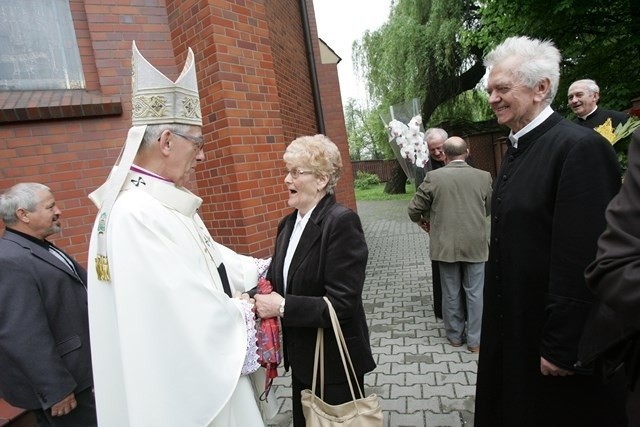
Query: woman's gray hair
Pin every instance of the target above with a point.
(153, 132)
(536, 60)
(319, 154)
(21, 195)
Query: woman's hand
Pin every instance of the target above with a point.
(268, 305)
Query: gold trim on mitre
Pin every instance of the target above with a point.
(158, 100)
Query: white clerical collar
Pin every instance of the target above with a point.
(178, 198)
(585, 117)
(544, 115)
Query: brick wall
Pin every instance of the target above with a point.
(291, 68)
(255, 94)
(240, 179)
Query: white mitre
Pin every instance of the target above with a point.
(155, 100)
(158, 100)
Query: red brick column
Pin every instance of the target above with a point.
(241, 179)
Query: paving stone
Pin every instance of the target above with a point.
(420, 378)
(457, 378)
(410, 390)
(431, 404)
(449, 405)
(405, 367)
(434, 367)
(397, 405)
(391, 379)
(465, 390)
(444, 420)
(464, 366)
(395, 358)
(426, 358)
(446, 357)
(407, 420)
(446, 390)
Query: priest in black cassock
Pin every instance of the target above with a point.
(583, 96)
(548, 206)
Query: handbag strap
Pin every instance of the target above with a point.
(319, 354)
(344, 351)
(318, 359)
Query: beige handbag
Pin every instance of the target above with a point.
(362, 412)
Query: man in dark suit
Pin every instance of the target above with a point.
(583, 96)
(547, 210)
(615, 274)
(435, 138)
(44, 331)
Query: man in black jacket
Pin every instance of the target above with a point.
(615, 276)
(44, 331)
(434, 138)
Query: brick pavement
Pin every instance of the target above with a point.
(422, 381)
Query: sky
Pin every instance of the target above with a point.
(340, 23)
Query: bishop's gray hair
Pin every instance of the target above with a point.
(153, 132)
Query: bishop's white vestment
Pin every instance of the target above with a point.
(168, 344)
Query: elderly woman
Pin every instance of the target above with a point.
(320, 251)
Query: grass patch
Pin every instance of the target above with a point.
(376, 192)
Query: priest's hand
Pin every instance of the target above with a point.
(246, 297)
(548, 368)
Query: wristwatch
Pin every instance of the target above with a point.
(281, 309)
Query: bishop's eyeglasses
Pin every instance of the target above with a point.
(197, 140)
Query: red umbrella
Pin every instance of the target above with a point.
(268, 342)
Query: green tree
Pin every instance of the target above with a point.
(420, 53)
(433, 50)
(366, 133)
(598, 39)
(469, 106)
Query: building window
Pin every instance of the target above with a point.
(38, 48)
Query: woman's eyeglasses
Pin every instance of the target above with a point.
(295, 173)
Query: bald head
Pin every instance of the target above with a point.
(455, 148)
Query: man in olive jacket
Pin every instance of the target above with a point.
(456, 200)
